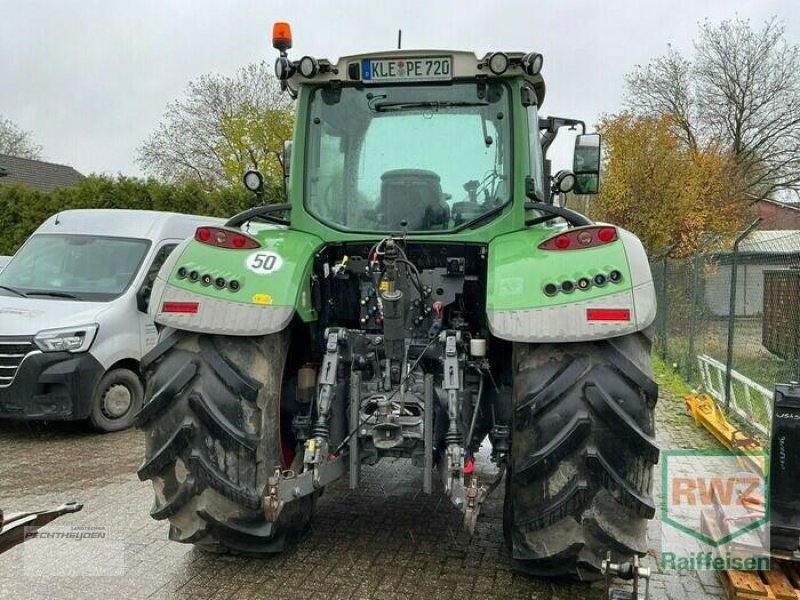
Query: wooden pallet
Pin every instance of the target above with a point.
(782, 582)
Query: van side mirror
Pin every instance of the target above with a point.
(586, 164)
(146, 288)
(143, 297)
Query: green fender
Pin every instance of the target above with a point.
(519, 271)
(274, 283)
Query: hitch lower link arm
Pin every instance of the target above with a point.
(452, 384)
(461, 485)
(319, 467)
(317, 447)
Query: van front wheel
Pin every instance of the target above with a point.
(116, 400)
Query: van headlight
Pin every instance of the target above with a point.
(69, 339)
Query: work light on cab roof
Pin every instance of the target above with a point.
(401, 66)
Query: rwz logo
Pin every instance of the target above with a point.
(716, 496)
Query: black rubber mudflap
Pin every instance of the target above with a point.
(212, 424)
(583, 450)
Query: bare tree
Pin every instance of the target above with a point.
(15, 141)
(664, 87)
(749, 96)
(740, 93)
(223, 126)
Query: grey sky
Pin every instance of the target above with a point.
(91, 78)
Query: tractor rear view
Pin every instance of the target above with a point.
(420, 293)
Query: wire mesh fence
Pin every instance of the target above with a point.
(729, 319)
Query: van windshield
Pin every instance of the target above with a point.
(74, 267)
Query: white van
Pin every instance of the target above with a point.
(73, 314)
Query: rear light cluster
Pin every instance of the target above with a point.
(582, 237)
(207, 280)
(584, 283)
(225, 238)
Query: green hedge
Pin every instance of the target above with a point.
(23, 209)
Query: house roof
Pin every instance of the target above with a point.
(767, 247)
(791, 205)
(43, 176)
(785, 241)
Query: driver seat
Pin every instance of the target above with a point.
(413, 196)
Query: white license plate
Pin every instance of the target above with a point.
(429, 68)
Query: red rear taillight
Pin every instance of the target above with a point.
(180, 307)
(580, 237)
(607, 234)
(225, 238)
(608, 314)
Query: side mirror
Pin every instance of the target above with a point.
(586, 165)
(143, 297)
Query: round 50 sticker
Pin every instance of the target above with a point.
(264, 262)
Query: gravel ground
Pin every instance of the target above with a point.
(386, 540)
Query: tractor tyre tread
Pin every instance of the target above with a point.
(212, 439)
(582, 454)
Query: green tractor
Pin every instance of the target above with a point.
(422, 291)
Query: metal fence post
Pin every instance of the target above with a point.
(663, 303)
(664, 306)
(732, 309)
(690, 352)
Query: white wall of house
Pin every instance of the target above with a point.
(749, 289)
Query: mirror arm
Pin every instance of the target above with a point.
(548, 177)
(548, 137)
(551, 125)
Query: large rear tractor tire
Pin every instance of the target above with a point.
(582, 455)
(212, 421)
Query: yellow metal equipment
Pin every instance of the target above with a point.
(708, 414)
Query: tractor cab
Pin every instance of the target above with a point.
(424, 141)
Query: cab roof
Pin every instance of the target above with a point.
(466, 65)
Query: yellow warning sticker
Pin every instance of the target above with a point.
(262, 299)
(384, 286)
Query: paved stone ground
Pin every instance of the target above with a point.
(387, 540)
(675, 430)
